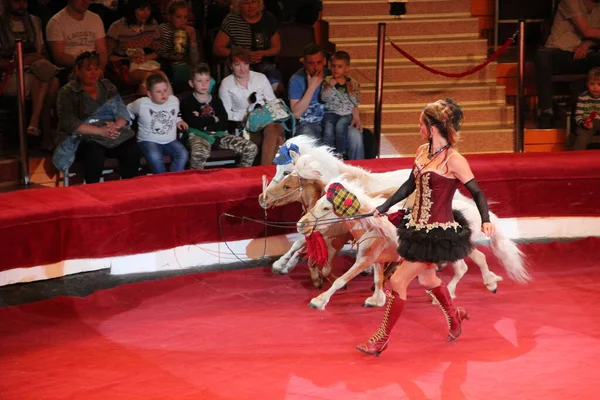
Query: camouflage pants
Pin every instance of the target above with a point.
(200, 150)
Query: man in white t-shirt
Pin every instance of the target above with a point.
(74, 30)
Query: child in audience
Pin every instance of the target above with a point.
(586, 113)
(178, 47)
(207, 120)
(341, 97)
(158, 120)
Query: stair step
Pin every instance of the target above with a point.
(421, 50)
(397, 117)
(406, 73)
(399, 39)
(420, 96)
(403, 28)
(490, 139)
(381, 7)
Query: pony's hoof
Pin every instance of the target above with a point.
(495, 290)
(369, 305)
(277, 272)
(311, 305)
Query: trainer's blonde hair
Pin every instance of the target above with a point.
(447, 116)
(236, 5)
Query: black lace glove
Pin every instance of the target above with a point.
(480, 200)
(403, 192)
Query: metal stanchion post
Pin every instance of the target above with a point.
(379, 84)
(520, 108)
(24, 157)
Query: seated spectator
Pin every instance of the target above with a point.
(133, 43)
(341, 97)
(208, 123)
(304, 95)
(72, 31)
(248, 27)
(587, 113)
(40, 75)
(567, 51)
(241, 92)
(158, 120)
(178, 47)
(94, 123)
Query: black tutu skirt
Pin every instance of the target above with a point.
(436, 246)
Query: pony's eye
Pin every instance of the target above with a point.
(286, 173)
(286, 187)
(326, 208)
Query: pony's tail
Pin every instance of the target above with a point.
(511, 258)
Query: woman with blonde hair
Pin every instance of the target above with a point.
(431, 232)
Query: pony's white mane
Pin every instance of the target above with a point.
(323, 160)
(382, 225)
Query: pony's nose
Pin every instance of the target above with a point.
(300, 226)
(262, 201)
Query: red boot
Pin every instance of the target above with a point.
(379, 341)
(454, 315)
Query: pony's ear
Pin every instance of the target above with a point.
(295, 156)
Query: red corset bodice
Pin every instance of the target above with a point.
(433, 201)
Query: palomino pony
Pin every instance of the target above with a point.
(376, 242)
(293, 188)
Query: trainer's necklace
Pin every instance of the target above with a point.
(431, 155)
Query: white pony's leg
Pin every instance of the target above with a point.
(288, 261)
(378, 297)
(460, 269)
(490, 279)
(321, 300)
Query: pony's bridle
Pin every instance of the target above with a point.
(316, 220)
(279, 198)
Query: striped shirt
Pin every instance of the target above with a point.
(121, 37)
(249, 36)
(586, 104)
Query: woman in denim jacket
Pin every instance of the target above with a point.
(94, 123)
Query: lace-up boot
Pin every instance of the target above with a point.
(379, 341)
(454, 315)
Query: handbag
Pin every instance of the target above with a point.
(44, 70)
(272, 111)
(124, 135)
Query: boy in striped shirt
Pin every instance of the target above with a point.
(586, 112)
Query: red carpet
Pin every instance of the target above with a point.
(249, 335)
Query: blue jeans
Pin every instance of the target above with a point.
(335, 131)
(154, 152)
(355, 148)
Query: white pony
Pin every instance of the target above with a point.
(376, 242)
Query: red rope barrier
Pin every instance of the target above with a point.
(508, 42)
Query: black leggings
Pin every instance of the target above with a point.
(93, 155)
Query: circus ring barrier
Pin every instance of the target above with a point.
(171, 221)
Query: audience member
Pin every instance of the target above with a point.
(248, 27)
(74, 30)
(587, 113)
(133, 42)
(178, 45)
(40, 75)
(304, 95)
(94, 123)
(241, 92)
(208, 123)
(158, 119)
(567, 51)
(341, 96)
